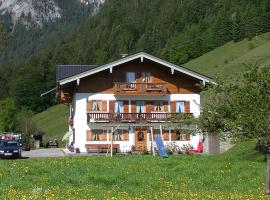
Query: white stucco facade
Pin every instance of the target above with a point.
(81, 126)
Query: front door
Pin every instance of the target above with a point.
(140, 140)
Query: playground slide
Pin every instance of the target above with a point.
(160, 146)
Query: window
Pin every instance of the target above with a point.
(180, 106)
(119, 108)
(130, 77)
(97, 105)
(158, 106)
(140, 108)
(118, 135)
(181, 135)
(97, 135)
(146, 77)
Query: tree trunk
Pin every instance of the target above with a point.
(267, 184)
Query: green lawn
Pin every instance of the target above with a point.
(228, 61)
(53, 121)
(236, 174)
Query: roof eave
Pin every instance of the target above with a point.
(196, 75)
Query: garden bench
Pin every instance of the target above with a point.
(101, 148)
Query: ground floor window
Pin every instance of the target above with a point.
(180, 135)
(96, 135)
(120, 135)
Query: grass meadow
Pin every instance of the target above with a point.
(236, 174)
(230, 60)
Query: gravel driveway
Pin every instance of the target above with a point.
(52, 152)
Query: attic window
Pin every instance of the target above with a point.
(146, 77)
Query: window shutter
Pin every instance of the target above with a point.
(165, 106)
(149, 106)
(126, 110)
(166, 135)
(88, 136)
(89, 105)
(126, 135)
(104, 136)
(133, 106)
(187, 106)
(104, 106)
(173, 110)
(111, 106)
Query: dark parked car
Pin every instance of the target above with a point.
(10, 148)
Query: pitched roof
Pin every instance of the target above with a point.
(141, 55)
(65, 71)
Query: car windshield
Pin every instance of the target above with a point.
(9, 143)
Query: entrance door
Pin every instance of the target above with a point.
(140, 140)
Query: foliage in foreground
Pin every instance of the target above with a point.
(237, 174)
(240, 109)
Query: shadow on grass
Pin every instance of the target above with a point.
(15, 158)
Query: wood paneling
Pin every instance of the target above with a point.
(133, 106)
(149, 106)
(89, 105)
(173, 106)
(187, 106)
(104, 136)
(126, 105)
(111, 106)
(177, 83)
(104, 106)
(88, 136)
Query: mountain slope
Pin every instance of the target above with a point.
(230, 60)
(53, 122)
(36, 25)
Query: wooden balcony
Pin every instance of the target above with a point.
(140, 89)
(133, 117)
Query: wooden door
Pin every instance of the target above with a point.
(140, 140)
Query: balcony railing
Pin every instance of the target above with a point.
(140, 88)
(132, 117)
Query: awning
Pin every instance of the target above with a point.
(67, 134)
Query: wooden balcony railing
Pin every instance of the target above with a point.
(132, 117)
(140, 88)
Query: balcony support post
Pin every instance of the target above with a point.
(111, 142)
(152, 141)
(161, 132)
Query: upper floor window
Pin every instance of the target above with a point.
(180, 106)
(140, 108)
(130, 77)
(158, 106)
(97, 105)
(118, 108)
(146, 77)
